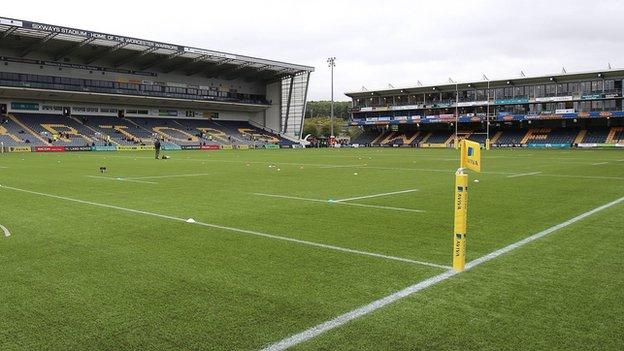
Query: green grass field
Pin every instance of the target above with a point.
(285, 240)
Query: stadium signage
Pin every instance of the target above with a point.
(96, 35)
(191, 147)
(18, 148)
(471, 103)
(565, 111)
(134, 148)
(210, 147)
(209, 53)
(554, 98)
(406, 107)
(511, 101)
(10, 22)
(78, 148)
(49, 148)
(591, 96)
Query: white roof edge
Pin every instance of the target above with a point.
(542, 76)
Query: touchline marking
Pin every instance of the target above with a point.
(121, 179)
(340, 203)
(523, 174)
(7, 233)
(375, 305)
(232, 229)
(377, 195)
(599, 163)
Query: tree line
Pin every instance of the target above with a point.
(323, 109)
(318, 123)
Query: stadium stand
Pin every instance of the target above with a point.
(595, 135)
(616, 135)
(439, 137)
(366, 138)
(109, 92)
(12, 134)
(550, 136)
(509, 137)
(57, 130)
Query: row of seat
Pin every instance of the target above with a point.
(43, 130)
(512, 136)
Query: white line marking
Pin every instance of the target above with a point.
(232, 229)
(523, 174)
(579, 177)
(121, 179)
(7, 233)
(170, 176)
(377, 195)
(375, 305)
(320, 165)
(3, 167)
(599, 163)
(337, 166)
(340, 203)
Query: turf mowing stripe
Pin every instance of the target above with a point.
(340, 203)
(523, 174)
(377, 195)
(232, 229)
(7, 233)
(121, 179)
(375, 305)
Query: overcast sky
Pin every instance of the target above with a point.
(375, 43)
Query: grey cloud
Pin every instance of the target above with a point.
(375, 42)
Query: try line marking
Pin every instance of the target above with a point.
(342, 202)
(121, 179)
(232, 229)
(375, 305)
(170, 176)
(7, 233)
(523, 174)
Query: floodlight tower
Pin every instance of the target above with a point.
(331, 62)
(487, 114)
(456, 138)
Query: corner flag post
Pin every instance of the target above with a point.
(470, 159)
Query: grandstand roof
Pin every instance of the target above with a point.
(496, 83)
(59, 42)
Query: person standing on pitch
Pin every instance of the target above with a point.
(157, 148)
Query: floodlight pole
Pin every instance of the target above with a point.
(332, 63)
(456, 114)
(487, 119)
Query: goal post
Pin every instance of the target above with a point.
(470, 158)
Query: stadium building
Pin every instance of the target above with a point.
(565, 110)
(67, 88)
